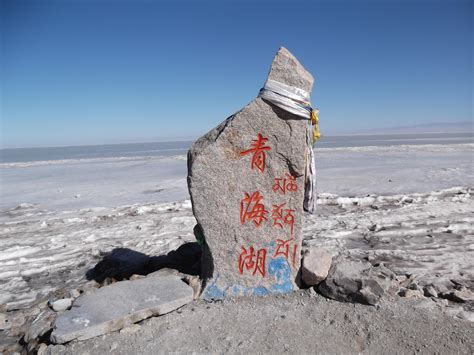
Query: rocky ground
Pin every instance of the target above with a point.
(303, 322)
(425, 238)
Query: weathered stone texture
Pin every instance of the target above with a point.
(315, 266)
(219, 176)
(357, 281)
(115, 306)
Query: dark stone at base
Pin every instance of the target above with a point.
(352, 281)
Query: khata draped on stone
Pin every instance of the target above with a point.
(247, 179)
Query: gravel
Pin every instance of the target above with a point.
(301, 322)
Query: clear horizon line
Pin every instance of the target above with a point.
(194, 139)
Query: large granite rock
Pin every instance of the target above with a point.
(246, 181)
(113, 307)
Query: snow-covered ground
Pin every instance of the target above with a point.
(410, 206)
(111, 182)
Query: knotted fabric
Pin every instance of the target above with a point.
(297, 102)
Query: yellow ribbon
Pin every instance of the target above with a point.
(315, 123)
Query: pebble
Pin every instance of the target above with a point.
(74, 293)
(42, 348)
(61, 305)
(411, 293)
(429, 291)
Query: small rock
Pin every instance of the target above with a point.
(463, 295)
(42, 348)
(109, 281)
(409, 279)
(401, 278)
(415, 286)
(90, 287)
(315, 266)
(412, 294)
(441, 302)
(74, 293)
(40, 325)
(61, 305)
(165, 272)
(34, 311)
(195, 283)
(442, 285)
(429, 291)
(137, 277)
(91, 284)
(369, 296)
(95, 253)
(31, 347)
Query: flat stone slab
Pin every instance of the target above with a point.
(113, 307)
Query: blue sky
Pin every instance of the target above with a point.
(92, 72)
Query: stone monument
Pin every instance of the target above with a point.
(248, 179)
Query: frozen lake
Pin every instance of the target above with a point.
(115, 181)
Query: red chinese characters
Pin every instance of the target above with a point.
(252, 259)
(283, 217)
(251, 209)
(258, 150)
(283, 249)
(285, 184)
(253, 262)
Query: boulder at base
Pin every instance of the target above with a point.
(357, 281)
(115, 306)
(246, 181)
(315, 266)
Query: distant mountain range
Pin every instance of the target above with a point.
(439, 127)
